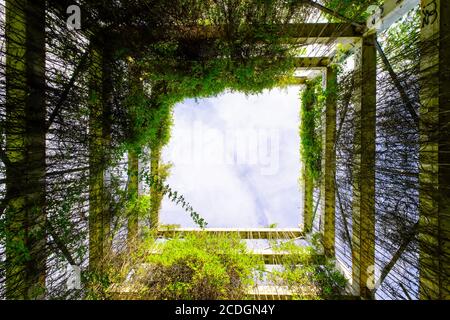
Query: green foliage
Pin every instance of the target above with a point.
(400, 41)
(352, 9)
(308, 274)
(312, 103)
(138, 206)
(198, 267)
(174, 196)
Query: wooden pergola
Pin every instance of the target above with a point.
(434, 208)
(434, 154)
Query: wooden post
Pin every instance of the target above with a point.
(155, 192)
(363, 215)
(133, 194)
(329, 161)
(136, 94)
(100, 104)
(25, 149)
(307, 181)
(434, 177)
(307, 188)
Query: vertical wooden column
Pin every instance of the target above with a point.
(363, 215)
(25, 131)
(434, 177)
(308, 200)
(306, 180)
(329, 161)
(155, 192)
(136, 94)
(100, 104)
(96, 171)
(133, 194)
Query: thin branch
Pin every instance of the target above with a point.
(344, 218)
(67, 89)
(397, 83)
(397, 255)
(60, 244)
(405, 291)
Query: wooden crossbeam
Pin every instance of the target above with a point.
(243, 233)
(270, 292)
(388, 13)
(301, 32)
(312, 62)
(312, 32)
(270, 256)
(274, 292)
(296, 81)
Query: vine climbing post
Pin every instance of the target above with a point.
(133, 194)
(155, 190)
(100, 95)
(329, 161)
(308, 200)
(363, 211)
(26, 238)
(434, 176)
(307, 136)
(136, 93)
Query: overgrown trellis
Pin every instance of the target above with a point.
(81, 111)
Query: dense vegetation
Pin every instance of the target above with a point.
(307, 273)
(311, 110)
(200, 267)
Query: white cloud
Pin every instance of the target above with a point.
(261, 188)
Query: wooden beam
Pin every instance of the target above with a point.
(25, 247)
(434, 174)
(270, 256)
(312, 62)
(302, 32)
(100, 112)
(156, 195)
(329, 161)
(306, 176)
(133, 197)
(292, 81)
(389, 13)
(363, 211)
(243, 233)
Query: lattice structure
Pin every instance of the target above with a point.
(385, 154)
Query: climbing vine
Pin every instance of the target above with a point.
(312, 102)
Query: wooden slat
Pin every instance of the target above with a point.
(269, 292)
(243, 233)
(312, 62)
(277, 257)
(273, 292)
(296, 81)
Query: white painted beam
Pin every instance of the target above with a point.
(388, 13)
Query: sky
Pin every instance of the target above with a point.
(236, 160)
